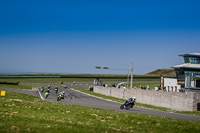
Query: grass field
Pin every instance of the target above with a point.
(47, 80)
(58, 80)
(67, 80)
(24, 113)
(15, 86)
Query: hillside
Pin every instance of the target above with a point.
(164, 72)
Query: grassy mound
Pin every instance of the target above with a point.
(164, 72)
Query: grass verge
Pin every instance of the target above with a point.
(15, 86)
(24, 113)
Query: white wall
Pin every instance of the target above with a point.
(177, 101)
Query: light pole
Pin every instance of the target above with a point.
(120, 69)
(131, 75)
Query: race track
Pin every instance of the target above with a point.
(77, 98)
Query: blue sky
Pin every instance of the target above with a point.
(60, 36)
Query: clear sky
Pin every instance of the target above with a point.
(61, 36)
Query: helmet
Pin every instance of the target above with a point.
(134, 98)
(63, 92)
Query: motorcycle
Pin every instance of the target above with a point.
(60, 97)
(127, 105)
(46, 94)
(42, 89)
(56, 90)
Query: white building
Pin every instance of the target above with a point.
(171, 84)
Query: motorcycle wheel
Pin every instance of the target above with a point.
(122, 106)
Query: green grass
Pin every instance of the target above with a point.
(24, 113)
(164, 72)
(39, 80)
(195, 113)
(15, 86)
(48, 80)
(59, 80)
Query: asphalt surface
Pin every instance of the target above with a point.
(77, 98)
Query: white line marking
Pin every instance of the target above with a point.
(40, 94)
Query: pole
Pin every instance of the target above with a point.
(128, 79)
(132, 75)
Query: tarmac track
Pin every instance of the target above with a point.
(76, 98)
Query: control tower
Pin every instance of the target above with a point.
(188, 74)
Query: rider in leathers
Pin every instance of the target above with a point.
(131, 101)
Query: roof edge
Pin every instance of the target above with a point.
(191, 54)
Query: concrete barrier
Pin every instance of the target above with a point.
(188, 101)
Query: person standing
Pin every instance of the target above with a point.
(148, 88)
